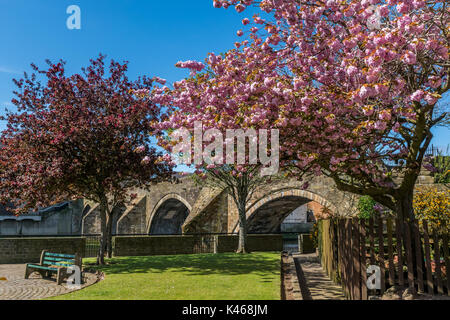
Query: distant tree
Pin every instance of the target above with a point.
(240, 184)
(439, 164)
(80, 136)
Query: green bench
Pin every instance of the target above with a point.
(54, 263)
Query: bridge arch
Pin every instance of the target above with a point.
(265, 214)
(168, 215)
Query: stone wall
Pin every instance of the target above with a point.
(153, 245)
(186, 244)
(255, 242)
(133, 221)
(24, 250)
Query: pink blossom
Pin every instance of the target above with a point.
(385, 115)
(140, 149)
(364, 92)
(146, 160)
(402, 7)
(430, 99)
(190, 64)
(384, 10)
(409, 58)
(159, 80)
(352, 71)
(417, 95)
(239, 8)
(306, 101)
(380, 125)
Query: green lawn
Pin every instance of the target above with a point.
(226, 276)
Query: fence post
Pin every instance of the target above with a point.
(409, 257)
(356, 261)
(426, 240)
(381, 255)
(390, 252)
(348, 223)
(446, 260)
(372, 241)
(363, 252)
(418, 242)
(437, 262)
(398, 227)
(341, 253)
(216, 242)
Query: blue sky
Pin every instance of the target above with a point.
(152, 35)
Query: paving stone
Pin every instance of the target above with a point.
(34, 288)
(318, 285)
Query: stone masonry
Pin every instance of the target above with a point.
(213, 211)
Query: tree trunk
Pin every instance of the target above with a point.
(109, 220)
(103, 231)
(242, 247)
(405, 213)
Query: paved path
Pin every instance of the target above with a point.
(15, 287)
(314, 282)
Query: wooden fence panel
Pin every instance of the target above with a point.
(398, 227)
(340, 251)
(372, 241)
(390, 252)
(353, 244)
(363, 256)
(446, 260)
(418, 248)
(409, 255)
(426, 242)
(356, 260)
(344, 257)
(437, 263)
(381, 255)
(348, 244)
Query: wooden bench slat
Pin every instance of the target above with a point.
(52, 263)
(41, 267)
(60, 255)
(58, 259)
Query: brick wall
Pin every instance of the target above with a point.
(23, 250)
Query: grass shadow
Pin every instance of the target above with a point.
(196, 264)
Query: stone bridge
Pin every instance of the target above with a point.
(184, 207)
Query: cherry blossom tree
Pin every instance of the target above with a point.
(81, 136)
(360, 84)
(221, 99)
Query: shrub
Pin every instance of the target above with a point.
(366, 207)
(434, 207)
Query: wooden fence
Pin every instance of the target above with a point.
(408, 255)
